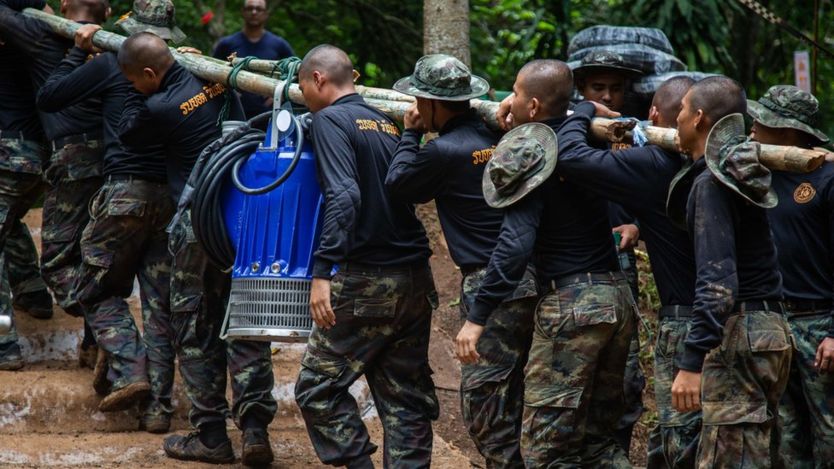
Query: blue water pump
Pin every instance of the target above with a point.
(271, 208)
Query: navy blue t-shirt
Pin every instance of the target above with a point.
(268, 47)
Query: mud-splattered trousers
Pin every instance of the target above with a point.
(673, 442)
(383, 323)
(491, 389)
(199, 295)
(742, 382)
(573, 394)
(20, 185)
(807, 407)
(124, 240)
(74, 177)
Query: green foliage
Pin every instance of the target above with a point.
(384, 37)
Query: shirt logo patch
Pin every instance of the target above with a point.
(804, 193)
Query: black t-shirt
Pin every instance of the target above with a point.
(803, 229)
(18, 112)
(354, 145)
(181, 116)
(638, 180)
(562, 227)
(75, 80)
(449, 169)
(43, 50)
(735, 260)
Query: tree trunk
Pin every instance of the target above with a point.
(446, 28)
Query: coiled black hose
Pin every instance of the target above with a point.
(211, 171)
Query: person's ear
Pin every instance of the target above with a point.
(654, 115)
(534, 107)
(149, 74)
(108, 12)
(700, 120)
(318, 79)
(64, 6)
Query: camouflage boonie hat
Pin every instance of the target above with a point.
(788, 107)
(605, 61)
(153, 16)
(442, 77)
(734, 160)
(523, 159)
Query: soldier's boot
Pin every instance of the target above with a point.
(101, 384)
(37, 304)
(191, 448)
(125, 397)
(10, 357)
(155, 423)
(256, 448)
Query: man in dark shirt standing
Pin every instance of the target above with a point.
(174, 109)
(254, 41)
(604, 77)
(125, 239)
(638, 179)
(75, 139)
(22, 152)
(573, 386)
(803, 229)
(449, 169)
(737, 353)
(373, 317)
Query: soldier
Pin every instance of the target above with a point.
(74, 137)
(373, 317)
(738, 349)
(21, 154)
(573, 386)
(125, 238)
(638, 179)
(803, 230)
(153, 115)
(604, 77)
(449, 169)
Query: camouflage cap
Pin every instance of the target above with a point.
(788, 107)
(442, 77)
(153, 16)
(605, 61)
(734, 160)
(523, 159)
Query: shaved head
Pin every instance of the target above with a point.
(549, 81)
(95, 10)
(667, 99)
(145, 50)
(718, 97)
(330, 61)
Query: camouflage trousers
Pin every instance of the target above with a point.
(490, 389)
(383, 322)
(573, 394)
(673, 442)
(20, 186)
(742, 382)
(20, 272)
(199, 295)
(807, 408)
(74, 177)
(124, 240)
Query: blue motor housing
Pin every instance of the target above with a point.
(274, 235)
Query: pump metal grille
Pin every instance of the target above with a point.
(269, 309)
